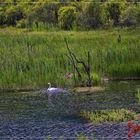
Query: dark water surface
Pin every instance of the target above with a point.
(27, 115)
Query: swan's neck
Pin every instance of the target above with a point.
(49, 85)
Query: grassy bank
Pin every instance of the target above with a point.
(31, 59)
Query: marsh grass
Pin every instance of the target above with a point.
(101, 116)
(31, 59)
(138, 95)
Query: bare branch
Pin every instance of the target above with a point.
(74, 60)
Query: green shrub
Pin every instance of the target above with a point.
(23, 23)
(2, 17)
(131, 16)
(45, 12)
(91, 17)
(66, 17)
(96, 78)
(114, 10)
(80, 20)
(86, 14)
(13, 14)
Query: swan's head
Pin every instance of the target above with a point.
(49, 85)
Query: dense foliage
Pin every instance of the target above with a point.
(68, 14)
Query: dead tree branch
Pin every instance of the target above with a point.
(70, 56)
(74, 60)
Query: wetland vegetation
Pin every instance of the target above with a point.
(33, 38)
(30, 59)
(43, 41)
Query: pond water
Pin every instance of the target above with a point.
(27, 115)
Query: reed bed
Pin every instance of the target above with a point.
(30, 59)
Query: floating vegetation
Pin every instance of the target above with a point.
(101, 116)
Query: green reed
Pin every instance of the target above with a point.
(31, 59)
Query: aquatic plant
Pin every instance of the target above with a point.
(101, 116)
(82, 137)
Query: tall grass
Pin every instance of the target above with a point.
(41, 27)
(31, 59)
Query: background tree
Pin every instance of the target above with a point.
(114, 10)
(13, 14)
(2, 17)
(46, 12)
(131, 16)
(66, 17)
(91, 17)
(83, 14)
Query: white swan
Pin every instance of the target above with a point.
(51, 91)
